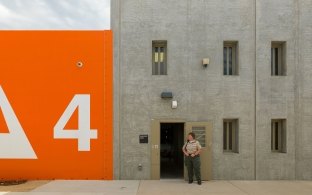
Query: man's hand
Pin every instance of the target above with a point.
(186, 154)
(192, 155)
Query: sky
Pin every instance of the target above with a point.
(54, 14)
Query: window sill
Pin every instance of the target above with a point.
(277, 152)
(230, 152)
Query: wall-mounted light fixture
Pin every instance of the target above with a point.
(174, 104)
(166, 95)
(205, 62)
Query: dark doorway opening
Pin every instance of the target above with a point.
(171, 155)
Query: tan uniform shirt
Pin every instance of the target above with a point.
(192, 146)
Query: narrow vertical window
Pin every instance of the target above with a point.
(225, 136)
(230, 135)
(230, 58)
(230, 138)
(278, 135)
(278, 58)
(225, 60)
(159, 58)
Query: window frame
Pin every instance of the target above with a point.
(159, 44)
(278, 65)
(280, 138)
(226, 136)
(234, 60)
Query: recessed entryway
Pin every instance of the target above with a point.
(171, 155)
(167, 160)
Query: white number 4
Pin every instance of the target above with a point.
(83, 134)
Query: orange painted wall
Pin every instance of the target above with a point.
(40, 76)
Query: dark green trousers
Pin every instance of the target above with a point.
(193, 166)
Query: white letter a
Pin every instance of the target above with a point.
(13, 145)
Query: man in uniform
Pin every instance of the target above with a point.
(191, 150)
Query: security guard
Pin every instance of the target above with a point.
(191, 150)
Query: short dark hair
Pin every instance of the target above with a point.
(192, 134)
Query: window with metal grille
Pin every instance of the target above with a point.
(230, 135)
(159, 57)
(230, 58)
(278, 59)
(278, 135)
(200, 134)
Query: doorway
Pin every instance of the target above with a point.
(171, 155)
(203, 131)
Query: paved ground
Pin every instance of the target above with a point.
(170, 187)
(25, 187)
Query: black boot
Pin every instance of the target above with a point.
(190, 181)
(199, 182)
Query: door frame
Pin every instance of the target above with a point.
(155, 144)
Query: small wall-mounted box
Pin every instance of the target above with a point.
(205, 62)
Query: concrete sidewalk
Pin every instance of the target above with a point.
(171, 187)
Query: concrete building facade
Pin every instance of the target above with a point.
(255, 96)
